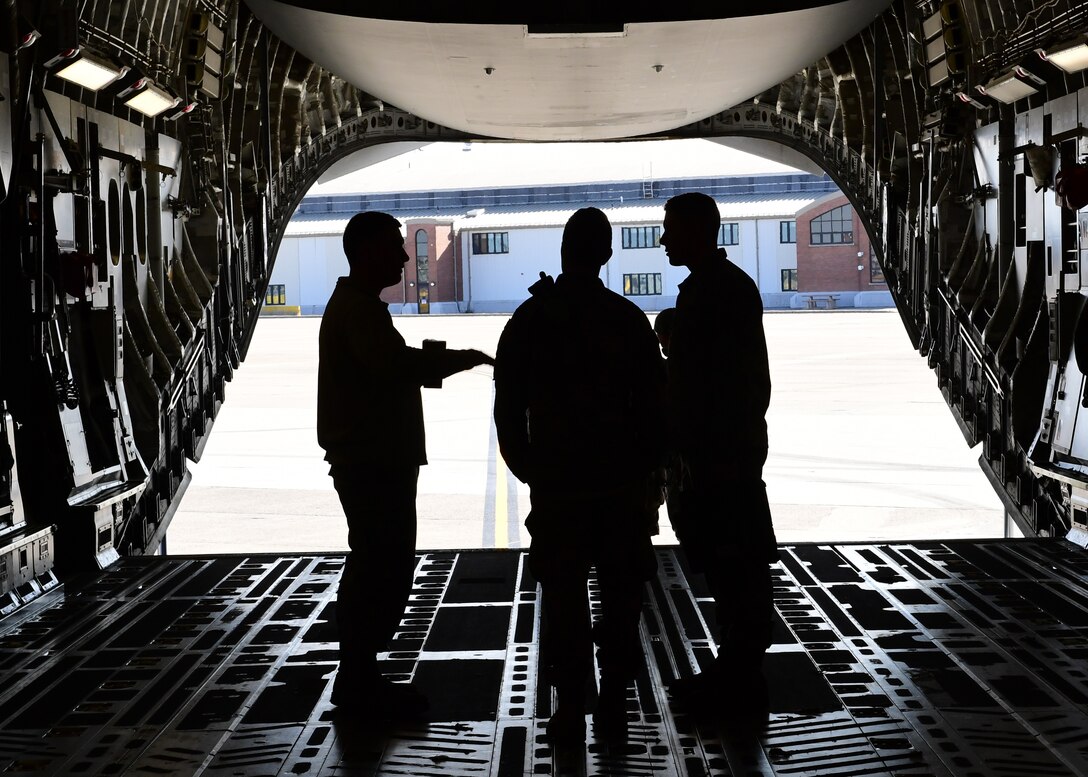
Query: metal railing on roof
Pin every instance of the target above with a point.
(722, 188)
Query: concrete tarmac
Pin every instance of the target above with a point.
(862, 445)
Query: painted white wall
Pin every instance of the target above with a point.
(772, 255)
(308, 267)
(336, 263)
(313, 272)
(787, 252)
(746, 254)
(499, 279)
(285, 270)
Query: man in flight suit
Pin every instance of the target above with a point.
(370, 423)
(719, 389)
(579, 412)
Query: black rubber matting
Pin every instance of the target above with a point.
(958, 658)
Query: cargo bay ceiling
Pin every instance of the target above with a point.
(137, 247)
(594, 74)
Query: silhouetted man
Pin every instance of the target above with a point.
(370, 423)
(579, 411)
(719, 390)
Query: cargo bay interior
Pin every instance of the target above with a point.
(151, 155)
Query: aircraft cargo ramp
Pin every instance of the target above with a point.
(963, 658)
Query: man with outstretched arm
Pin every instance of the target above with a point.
(370, 423)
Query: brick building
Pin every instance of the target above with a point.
(431, 276)
(835, 257)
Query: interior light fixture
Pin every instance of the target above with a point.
(26, 33)
(1071, 57)
(965, 97)
(183, 109)
(1029, 77)
(85, 69)
(147, 98)
(1008, 88)
(28, 38)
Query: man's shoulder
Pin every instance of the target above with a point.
(743, 286)
(526, 310)
(622, 306)
(346, 295)
(343, 296)
(350, 308)
(722, 278)
(735, 272)
(519, 320)
(335, 309)
(339, 291)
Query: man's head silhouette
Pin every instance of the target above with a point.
(691, 228)
(663, 325)
(375, 249)
(587, 242)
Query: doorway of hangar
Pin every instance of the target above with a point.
(862, 445)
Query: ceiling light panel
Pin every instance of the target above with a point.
(152, 100)
(1072, 59)
(1008, 88)
(91, 72)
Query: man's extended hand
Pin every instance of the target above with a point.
(439, 364)
(468, 358)
(478, 357)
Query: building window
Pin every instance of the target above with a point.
(422, 275)
(787, 231)
(491, 243)
(276, 294)
(789, 278)
(876, 272)
(834, 227)
(641, 237)
(641, 284)
(729, 234)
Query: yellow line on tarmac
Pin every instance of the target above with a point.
(502, 531)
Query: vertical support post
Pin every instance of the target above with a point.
(266, 121)
(1006, 192)
(878, 118)
(156, 262)
(39, 252)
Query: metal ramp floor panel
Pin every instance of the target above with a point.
(957, 658)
